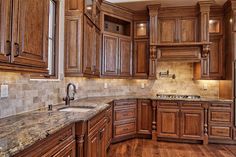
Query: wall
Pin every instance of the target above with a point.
(26, 95)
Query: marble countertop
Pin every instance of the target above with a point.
(21, 131)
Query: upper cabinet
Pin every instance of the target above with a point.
(26, 49)
(82, 38)
(117, 50)
(177, 30)
(141, 29)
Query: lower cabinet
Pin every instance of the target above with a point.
(68, 151)
(184, 121)
(144, 118)
(191, 122)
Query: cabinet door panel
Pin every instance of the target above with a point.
(5, 30)
(93, 145)
(110, 55)
(216, 57)
(144, 117)
(125, 57)
(192, 124)
(73, 45)
(168, 123)
(89, 46)
(168, 32)
(68, 151)
(141, 59)
(30, 27)
(188, 30)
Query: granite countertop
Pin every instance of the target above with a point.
(21, 131)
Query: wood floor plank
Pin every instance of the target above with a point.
(149, 148)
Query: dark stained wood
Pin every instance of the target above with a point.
(73, 45)
(168, 123)
(125, 57)
(188, 30)
(192, 124)
(29, 46)
(144, 118)
(148, 148)
(5, 30)
(141, 55)
(110, 55)
(168, 30)
(68, 151)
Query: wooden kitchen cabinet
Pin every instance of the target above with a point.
(178, 30)
(124, 120)
(125, 57)
(168, 122)
(26, 49)
(144, 117)
(116, 56)
(191, 122)
(5, 30)
(212, 67)
(141, 57)
(68, 151)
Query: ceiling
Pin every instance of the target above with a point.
(137, 5)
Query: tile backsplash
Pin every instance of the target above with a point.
(26, 95)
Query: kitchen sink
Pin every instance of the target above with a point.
(76, 109)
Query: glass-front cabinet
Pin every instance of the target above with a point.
(215, 25)
(141, 29)
(89, 8)
(93, 11)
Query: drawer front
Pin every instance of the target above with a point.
(124, 114)
(96, 122)
(223, 132)
(220, 116)
(221, 105)
(167, 104)
(125, 129)
(125, 103)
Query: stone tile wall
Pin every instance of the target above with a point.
(26, 95)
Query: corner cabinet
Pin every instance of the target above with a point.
(82, 38)
(26, 49)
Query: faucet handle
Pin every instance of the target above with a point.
(72, 98)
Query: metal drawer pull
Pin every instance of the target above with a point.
(8, 48)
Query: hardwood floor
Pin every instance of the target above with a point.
(148, 148)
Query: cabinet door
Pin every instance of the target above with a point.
(144, 117)
(187, 29)
(103, 142)
(30, 32)
(73, 46)
(216, 58)
(93, 145)
(168, 31)
(125, 66)
(68, 151)
(192, 124)
(168, 123)
(89, 46)
(141, 58)
(97, 53)
(110, 55)
(5, 30)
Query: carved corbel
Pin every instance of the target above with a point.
(205, 51)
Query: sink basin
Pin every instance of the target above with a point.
(76, 109)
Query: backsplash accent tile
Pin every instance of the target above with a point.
(26, 95)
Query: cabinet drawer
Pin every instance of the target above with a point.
(96, 122)
(167, 104)
(125, 129)
(124, 114)
(223, 132)
(221, 105)
(220, 116)
(124, 103)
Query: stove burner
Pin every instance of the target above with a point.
(169, 96)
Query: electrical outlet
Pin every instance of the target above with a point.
(4, 91)
(142, 85)
(105, 85)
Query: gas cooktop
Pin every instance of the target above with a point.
(169, 96)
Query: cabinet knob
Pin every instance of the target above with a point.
(8, 48)
(17, 47)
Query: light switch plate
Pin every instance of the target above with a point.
(4, 91)
(143, 85)
(105, 85)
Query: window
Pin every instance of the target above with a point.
(52, 38)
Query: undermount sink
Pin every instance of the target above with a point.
(76, 109)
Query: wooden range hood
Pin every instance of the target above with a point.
(177, 48)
